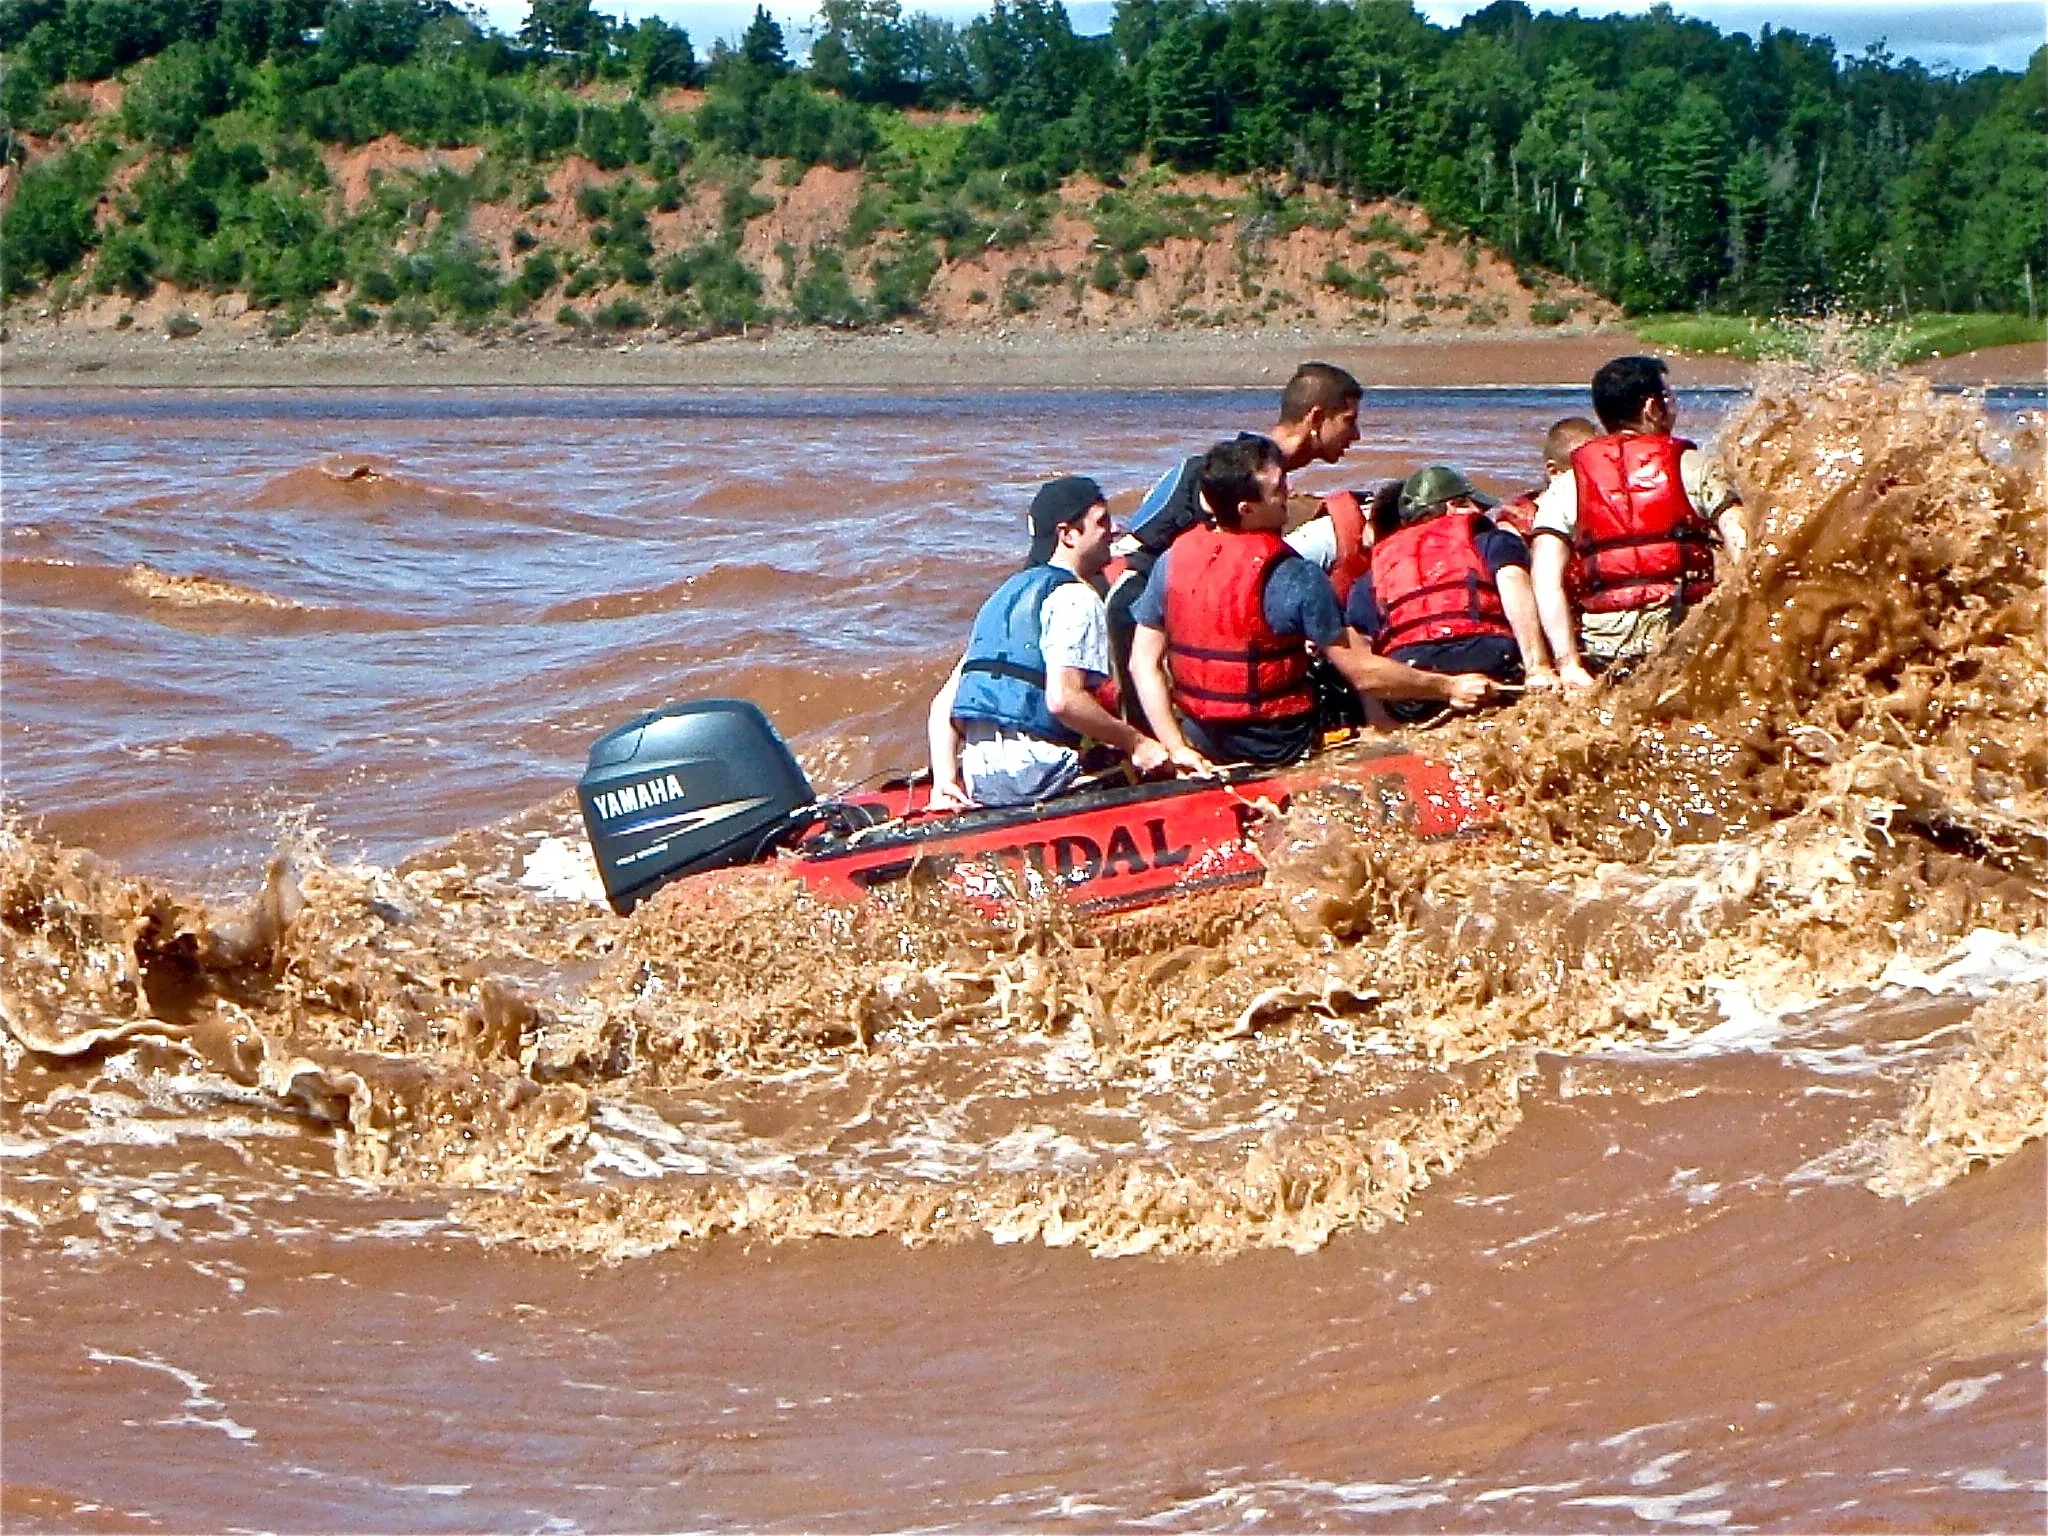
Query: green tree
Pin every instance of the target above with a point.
(1179, 107)
(660, 55)
(1690, 235)
(376, 31)
(177, 91)
(761, 45)
(864, 50)
(49, 225)
(565, 26)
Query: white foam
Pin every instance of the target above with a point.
(1523, 1490)
(1995, 1480)
(196, 1394)
(557, 871)
(1667, 1508)
(1250, 1503)
(1950, 1396)
(1032, 1148)
(1984, 962)
(666, 1148)
(1656, 1470)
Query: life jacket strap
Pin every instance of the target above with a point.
(1679, 535)
(1234, 696)
(1252, 651)
(996, 667)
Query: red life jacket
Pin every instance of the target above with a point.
(1640, 543)
(1518, 513)
(1354, 548)
(1228, 664)
(1430, 583)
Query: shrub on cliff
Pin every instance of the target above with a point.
(49, 225)
(176, 92)
(824, 297)
(749, 113)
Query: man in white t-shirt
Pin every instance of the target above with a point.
(1009, 725)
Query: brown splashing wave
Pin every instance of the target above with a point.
(201, 591)
(728, 585)
(191, 601)
(1838, 764)
(1975, 1110)
(366, 484)
(1884, 640)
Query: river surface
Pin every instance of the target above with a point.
(1670, 1158)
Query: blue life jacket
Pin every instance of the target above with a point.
(1003, 677)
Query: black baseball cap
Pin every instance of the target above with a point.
(1057, 504)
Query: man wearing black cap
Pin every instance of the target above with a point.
(1008, 727)
(1448, 591)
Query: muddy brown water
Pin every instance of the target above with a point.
(1668, 1159)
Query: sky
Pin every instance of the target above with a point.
(1965, 35)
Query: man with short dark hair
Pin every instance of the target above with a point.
(1009, 724)
(1633, 530)
(1233, 610)
(1519, 512)
(1448, 591)
(1318, 422)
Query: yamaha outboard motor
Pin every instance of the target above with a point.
(687, 788)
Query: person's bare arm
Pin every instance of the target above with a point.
(1518, 601)
(1067, 695)
(1734, 530)
(1155, 697)
(1549, 557)
(1368, 672)
(942, 738)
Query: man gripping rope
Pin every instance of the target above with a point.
(1009, 725)
(1626, 545)
(1449, 591)
(1233, 611)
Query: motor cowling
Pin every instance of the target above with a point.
(687, 788)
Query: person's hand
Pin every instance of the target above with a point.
(1540, 680)
(1187, 760)
(1148, 757)
(950, 797)
(1469, 690)
(1575, 677)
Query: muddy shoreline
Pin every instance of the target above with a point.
(41, 357)
(44, 356)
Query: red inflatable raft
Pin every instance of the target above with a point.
(706, 790)
(1110, 849)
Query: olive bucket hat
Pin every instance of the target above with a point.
(1428, 489)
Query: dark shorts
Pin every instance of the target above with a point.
(1267, 743)
(1495, 656)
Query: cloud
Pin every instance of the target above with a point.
(1966, 35)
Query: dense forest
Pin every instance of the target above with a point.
(1651, 159)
